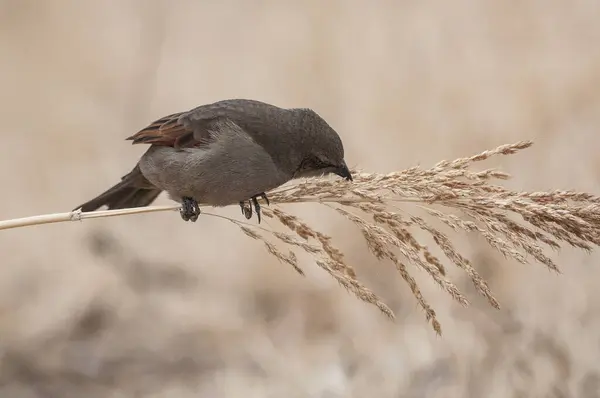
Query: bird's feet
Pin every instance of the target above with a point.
(247, 209)
(189, 209)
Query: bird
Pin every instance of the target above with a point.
(227, 152)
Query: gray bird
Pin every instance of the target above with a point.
(227, 152)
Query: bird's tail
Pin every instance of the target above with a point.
(134, 190)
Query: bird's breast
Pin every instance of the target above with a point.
(217, 176)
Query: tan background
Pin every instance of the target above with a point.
(152, 306)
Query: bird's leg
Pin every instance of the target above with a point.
(246, 210)
(196, 209)
(189, 209)
(256, 207)
(254, 200)
(264, 196)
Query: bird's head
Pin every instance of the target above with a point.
(323, 149)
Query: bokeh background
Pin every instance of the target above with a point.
(149, 306)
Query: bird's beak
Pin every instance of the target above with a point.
(343, 172)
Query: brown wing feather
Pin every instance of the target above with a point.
(166, 131)
(179, 132)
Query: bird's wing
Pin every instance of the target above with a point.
(198, 126)
(179, 131)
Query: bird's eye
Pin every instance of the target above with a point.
(313, 163)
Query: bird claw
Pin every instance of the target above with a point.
(256, 207)
(189, 209)
(253, 202)
(246, 210)
(264, 196)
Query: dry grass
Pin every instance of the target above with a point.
(372, 203)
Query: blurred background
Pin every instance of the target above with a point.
(149, 306)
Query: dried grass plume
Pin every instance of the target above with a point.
(385, 207)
